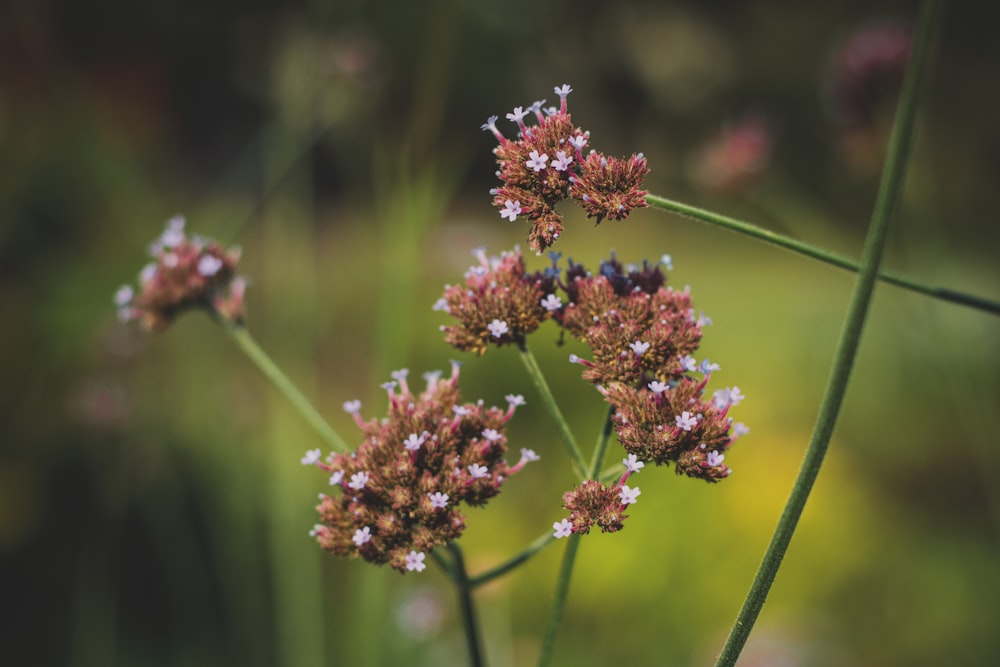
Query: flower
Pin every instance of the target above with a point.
(686, 421)
(499, 303)
(511, 209)
(186, 273)
(632, 463)
(405, 488)
(605, 187)
(438, 500)
(562, 528)
(311, 457)
(415, 561)
(362, 536)
(629, 496)
(535, 161)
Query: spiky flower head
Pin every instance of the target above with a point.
(498, 304)
(401, 491)
(545, 164)
(186, 272)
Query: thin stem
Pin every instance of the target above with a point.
(943, 293)
(602, 445)
(469, 621)
(550, 402)
(559, 603)
(885, 204)
(249, 346)
(498, 571)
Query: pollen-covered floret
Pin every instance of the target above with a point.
(499, 303)
(186, 272)
(400, 499)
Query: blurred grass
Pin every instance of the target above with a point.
(152, 510)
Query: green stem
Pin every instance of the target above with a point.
(249, 346)
(469, 621)
(602, 445)
(559, 603)
(489, 575)
(943, 293)
(885, 204)
(550, 402)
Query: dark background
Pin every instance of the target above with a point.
(152, 508)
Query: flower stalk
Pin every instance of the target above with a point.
(823, 255)
(889, 191)
(241, 336)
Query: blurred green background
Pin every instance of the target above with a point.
(152, 507)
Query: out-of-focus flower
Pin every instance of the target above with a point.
(734, 159)
(186, 272)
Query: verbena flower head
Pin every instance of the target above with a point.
(401, 490)
(186, 272)
(499, 303)
(637, 328)
(545, 164)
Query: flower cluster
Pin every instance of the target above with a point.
(642, 336)
(545, 164)
(500, 302)
(637, 328)
(400, 491)
(186, 273)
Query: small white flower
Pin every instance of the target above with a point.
(415, 561)
(551, 303)
(688, 363)
(657, 387)
(639, 347)
(438, 500)
(478, 471)
(498, 328)
(714, 458)
(362, 535)
(514, 399)
(336, 477)
(209, 265)
(352, 407)
(629, 496)
(311, 457)
(528, 455)
(413, 442)
(511, 209)
(562, 528)
(633, 464)
(124, 295)
(535, 161)
(686, 421)
(358, 480)
(491, 434)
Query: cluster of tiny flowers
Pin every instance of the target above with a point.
(186, 272)
(642, 336)
(637, 328)
(499, 303)
(401, 490)
(545, 164)
(593, 503)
